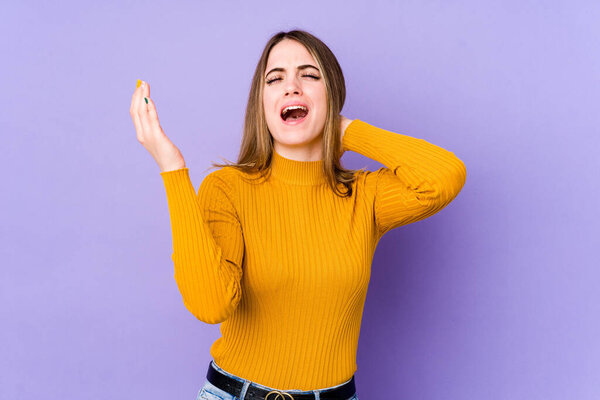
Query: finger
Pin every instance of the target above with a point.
(146, 121)
(137, 95)
(142, 106)
(138, 125)
(140, 93)
(152, 113)
(146, 90)
(134, 96)
(149, 116)
(134, 112)
(139, 108)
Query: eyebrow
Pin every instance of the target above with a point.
(300, 67)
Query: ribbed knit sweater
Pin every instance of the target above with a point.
(284, 265)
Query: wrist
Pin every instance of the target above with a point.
(345, 123)
(172, 167)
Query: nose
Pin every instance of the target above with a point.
(292, 86)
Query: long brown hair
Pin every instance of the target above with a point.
(256, 149)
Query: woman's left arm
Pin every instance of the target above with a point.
(420, 179)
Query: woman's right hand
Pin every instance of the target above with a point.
(150, 133)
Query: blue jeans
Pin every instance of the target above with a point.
(211, 392)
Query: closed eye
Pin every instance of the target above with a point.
(316, 78)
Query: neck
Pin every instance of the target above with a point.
(297, 172)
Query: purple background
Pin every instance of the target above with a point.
(495, 297)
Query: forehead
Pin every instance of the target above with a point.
(289, 53)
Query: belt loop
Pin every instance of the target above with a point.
(244, 389)
(317, 394)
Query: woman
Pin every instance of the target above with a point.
(278, 246)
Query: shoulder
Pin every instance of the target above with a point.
(367, 182)
(365, 177)
(228, 174)
(224, 179)
(236, 177)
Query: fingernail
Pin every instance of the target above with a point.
(146, 100)
(138, 83)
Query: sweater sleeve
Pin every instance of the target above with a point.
(208, 246)
(420, 179)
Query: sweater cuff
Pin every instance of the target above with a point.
(176, 179)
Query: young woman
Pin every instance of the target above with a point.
(278, 246)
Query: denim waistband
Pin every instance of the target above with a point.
(247, 383)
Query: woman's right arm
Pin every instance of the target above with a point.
(208, 245)
(207, 238)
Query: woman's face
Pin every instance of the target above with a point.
(292, 82)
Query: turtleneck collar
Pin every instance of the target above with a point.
(297, 172)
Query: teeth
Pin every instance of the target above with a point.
(293, 108)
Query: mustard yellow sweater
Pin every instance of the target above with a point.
(284, 265)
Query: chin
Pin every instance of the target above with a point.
(292, 138)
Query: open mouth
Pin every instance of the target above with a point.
(294, 114)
